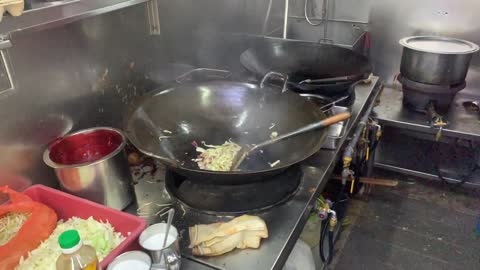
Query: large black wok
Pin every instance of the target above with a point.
(307, 60)
(216, 111)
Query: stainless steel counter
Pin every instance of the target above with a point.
(285, 222)
(461, 123)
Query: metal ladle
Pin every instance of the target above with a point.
(246, 150)
(171, 213)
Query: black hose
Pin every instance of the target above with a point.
(325, 232)
(372, 146)
(340, 207)
(330, 244)
(453, 185)
(436, 167)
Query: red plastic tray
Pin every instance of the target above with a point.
(67, 206)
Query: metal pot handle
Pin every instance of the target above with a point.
(273, 73)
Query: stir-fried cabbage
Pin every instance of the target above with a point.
(97, 234)
(217, 157)
(10, 224)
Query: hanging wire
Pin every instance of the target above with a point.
(305, 10)
(267, 17)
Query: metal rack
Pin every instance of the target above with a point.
(404, 154)
(63, 12)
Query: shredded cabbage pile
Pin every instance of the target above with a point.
(10, 224)
(97, 234)
(217, 157)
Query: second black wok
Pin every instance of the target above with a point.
(164, 124)
(302, 61)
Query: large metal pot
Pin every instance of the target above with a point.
(91, 164)
(436, 60)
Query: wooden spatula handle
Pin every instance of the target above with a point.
(336, 118)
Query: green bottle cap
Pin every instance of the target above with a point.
(69, 239)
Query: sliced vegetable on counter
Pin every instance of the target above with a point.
(222, 237)
(24, 224)
(10, 224)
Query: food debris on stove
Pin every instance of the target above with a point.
(163, 204)
(163, 210)
(273, 164)
(134, 159)
(143, 205)
(167, 131)
(183, 210)
(274, 135)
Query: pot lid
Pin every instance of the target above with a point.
(440, 45)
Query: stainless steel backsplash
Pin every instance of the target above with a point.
(85, 73)
(67, 78)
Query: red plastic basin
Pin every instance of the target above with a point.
(67, 206)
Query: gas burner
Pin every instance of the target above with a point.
(419, 96)
(234, 199)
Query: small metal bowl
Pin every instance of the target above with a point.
(130, 260)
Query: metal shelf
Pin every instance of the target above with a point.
(462, 124)
(62, 13)
(420, 174)
(409, 155)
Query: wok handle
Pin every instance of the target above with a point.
(273, 73)
(335, 119)
(324, 123)
(328, 80)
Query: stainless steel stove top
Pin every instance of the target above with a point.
(234, 199)
(285, 221)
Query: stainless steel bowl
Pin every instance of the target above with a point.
(137, 259)
(91, 164)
